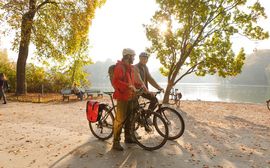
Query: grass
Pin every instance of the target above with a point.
(42, 98)
(37, 97)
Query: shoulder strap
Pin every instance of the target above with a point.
(124, 68)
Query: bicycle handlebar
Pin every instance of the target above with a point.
(158, 92)
(139, 92)
(108, 93)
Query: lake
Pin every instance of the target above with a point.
(224, 93)
(217, 92)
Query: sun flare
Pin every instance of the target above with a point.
(163, 27)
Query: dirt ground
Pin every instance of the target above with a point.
(57, 135)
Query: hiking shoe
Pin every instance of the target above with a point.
(117, 146)
(130, 140)
(5, 103)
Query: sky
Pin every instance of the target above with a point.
(119, 24)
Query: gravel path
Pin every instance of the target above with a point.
(57, 135)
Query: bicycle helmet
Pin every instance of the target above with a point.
(144, 54)
(128, 51)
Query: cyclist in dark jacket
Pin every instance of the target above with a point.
(3, 87)
(147, 78)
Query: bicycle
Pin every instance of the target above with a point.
(268, 104)
(173, 118)
(148, 139)
(175, 96)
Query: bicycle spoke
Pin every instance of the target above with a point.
(146, 134)
(103, 129)
(174, 122)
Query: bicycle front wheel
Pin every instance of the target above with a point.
(103, 129)
(146, 134)
(174, 121)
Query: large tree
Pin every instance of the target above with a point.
(198, 36)
(57, 28)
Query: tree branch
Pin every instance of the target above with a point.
(189, 71)
(44, 3)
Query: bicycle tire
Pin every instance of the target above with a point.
(144, 138)
(174, 121)
(103, 129)
(268, 104)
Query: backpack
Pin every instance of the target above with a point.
(111, 72)
(93, 111)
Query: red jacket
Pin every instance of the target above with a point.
(123, 77)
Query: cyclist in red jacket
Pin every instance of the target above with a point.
(125, 86)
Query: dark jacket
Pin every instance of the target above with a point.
(146, 76)
(3, 84)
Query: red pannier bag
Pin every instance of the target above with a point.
(92, 111)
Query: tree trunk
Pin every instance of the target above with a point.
(73, 73)
(167, 92)
(26, 27)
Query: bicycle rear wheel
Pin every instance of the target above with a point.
(103, 129)
(146, 135)
(174, 121)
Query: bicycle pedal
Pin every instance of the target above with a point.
(147, 128)
(149, 121)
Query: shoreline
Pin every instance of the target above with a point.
(58, 99)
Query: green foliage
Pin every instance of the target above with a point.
(55, 79)
(52, 80)
(58, 80)
(58, 29)
(76, 70)
(3, 56)
(35, 77)
(198, 36)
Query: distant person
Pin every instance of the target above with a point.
(146, 78)
(125, 85)
(3, 87)
(77, 91)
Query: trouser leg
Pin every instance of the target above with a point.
(120, 116)
(128, 121)
(130, 116)
(153, 100)
(2, 94)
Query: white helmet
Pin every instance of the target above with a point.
(128, 51)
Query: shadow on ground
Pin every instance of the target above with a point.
(229, 142)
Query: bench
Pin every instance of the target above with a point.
(92, 92)
(66, 93)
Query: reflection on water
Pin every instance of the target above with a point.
(216, 92)
(226, 93)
